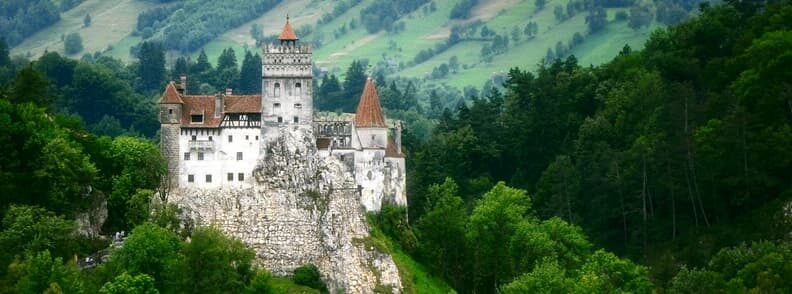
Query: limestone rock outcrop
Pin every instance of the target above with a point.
(303, 208)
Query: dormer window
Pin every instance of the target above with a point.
(196, 118)
(276, 90)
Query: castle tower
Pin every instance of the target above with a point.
(369, 121)
(170, 126)
(286, 82)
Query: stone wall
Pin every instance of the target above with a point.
(169, 147)
(302, 208)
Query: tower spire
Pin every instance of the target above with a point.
(287, 35)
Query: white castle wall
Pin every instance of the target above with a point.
(220, 156)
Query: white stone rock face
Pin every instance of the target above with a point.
(301, 208)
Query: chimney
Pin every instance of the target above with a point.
(218, 105)
(183, 85)
(398, 136)
(229, 92)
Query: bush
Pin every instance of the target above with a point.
(72, 44)
(308, 275)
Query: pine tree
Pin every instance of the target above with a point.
(250, 75)
(202, 64)
(353, 86)
(180, 68)
(5, 59)
(227, 75)
(227, 60)
(152, 66)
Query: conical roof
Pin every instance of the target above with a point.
(369, 112)
(288, 33)
(171, 95)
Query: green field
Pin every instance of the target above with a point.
(112, 22)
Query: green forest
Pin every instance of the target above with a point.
(667, 169)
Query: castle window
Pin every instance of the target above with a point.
(276, 105)
(297, 88)
(170, 111)
(296, 119)
(208, 178)
(256, 138)
(186, 155)
(247, 137)
(200, 156)
(276, 90)
(280, 119)
(190, 178)
(230, 177)
(193, 138)
(230, 139)
(210, 138)
(240, 177)
(196, 118)
(298, 106)
(239, 155)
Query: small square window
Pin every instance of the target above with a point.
(298, 106)
(280, 119)
(230, 139)
(196, 118)
(170, 111)
(186, 155)
(208, 178)
(210, 138)
(247, 137)
(200, 156)
(256, 138)
(296, 119)
(194, 138)
(190, 178)
(240, 177)
(239, 155)
(230, 177)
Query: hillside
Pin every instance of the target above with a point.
(342, 38)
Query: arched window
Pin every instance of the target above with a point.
(298, 89)
(276, 90)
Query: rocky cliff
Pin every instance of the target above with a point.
(302, 208)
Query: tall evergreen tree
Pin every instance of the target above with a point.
(152, 66)
(202, 64)
(227, 71)
(227, 59)
(180, 68)
(5, 58)
(329, 94)
(354, 81)
(250, 74)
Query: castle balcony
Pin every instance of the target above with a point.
(201, 145)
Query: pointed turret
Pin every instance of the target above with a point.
(171, 95)
(288, 35)
(369, 112)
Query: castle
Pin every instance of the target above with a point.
(216, 141)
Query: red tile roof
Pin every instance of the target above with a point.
(206, 105)
(200, 105)
(171, 95)
(391, 151)
(242, 104)
(288, 33)
(369, 112)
